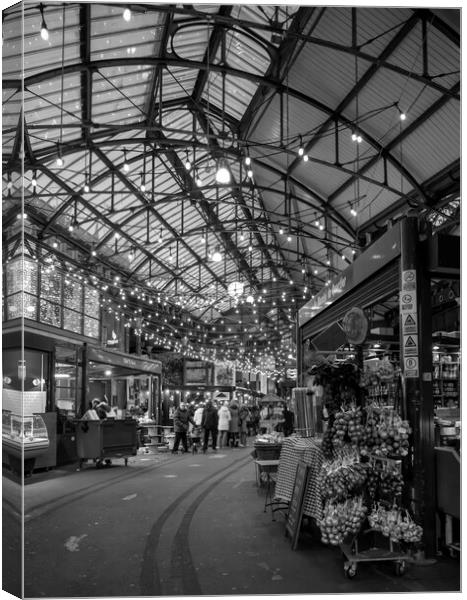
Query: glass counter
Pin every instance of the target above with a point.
(24, 435)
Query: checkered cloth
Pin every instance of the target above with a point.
(293, 450)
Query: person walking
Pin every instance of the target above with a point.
(243, 421)
(233, 424)
(182, 419)
(224, 419)
(209, 424)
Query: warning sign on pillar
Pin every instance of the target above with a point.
(410, 345)
(409, 323)
(411, 366)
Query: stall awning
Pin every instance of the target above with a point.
(378, 287)
(132, 362)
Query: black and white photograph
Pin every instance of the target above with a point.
(231, 317)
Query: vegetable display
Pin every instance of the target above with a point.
(395, 523)
(343, 476)
(341, 519)
(385, 433)
(363, 449)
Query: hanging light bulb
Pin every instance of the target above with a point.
(301, 150)
(126, 166)
(142, 187)
(187, 162)
(127, 14)
(217, 255)
(249, 174)
(222, 173)
(44, 30)
(60, 162)
(353, 212)
(305, 158)
(198, 180)
(34, 180)
(247, 161)
(87, 187)
(281, 231)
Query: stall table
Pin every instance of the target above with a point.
(309, 451)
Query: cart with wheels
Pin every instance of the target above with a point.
(100, 441)
(374, 553)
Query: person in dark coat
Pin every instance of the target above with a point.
(288, 421)
(182, 419)
(234, 428)
(243, 420)
(209, 422)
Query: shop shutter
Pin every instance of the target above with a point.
(380, 286)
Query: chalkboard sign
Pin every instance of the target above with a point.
(295, 512)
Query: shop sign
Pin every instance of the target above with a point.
(113, 341)
(375, 258)
(123, 360)
(355, 325)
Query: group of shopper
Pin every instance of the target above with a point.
(226, 426)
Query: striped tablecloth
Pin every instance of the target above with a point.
(293, 450)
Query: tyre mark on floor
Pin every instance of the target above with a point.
(70, 497)
(182, 560)
(150, 580)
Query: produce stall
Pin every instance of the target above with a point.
(362, 487)
(106, 439)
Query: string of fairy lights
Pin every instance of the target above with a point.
(162, 324)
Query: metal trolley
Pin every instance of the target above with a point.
(378, 548)
(103, 440)
(353, 556)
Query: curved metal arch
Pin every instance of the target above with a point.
(234, 26)
(279, 87)
(197, 65)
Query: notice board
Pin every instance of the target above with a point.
(295, 512)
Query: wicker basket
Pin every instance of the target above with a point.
(268, 451)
